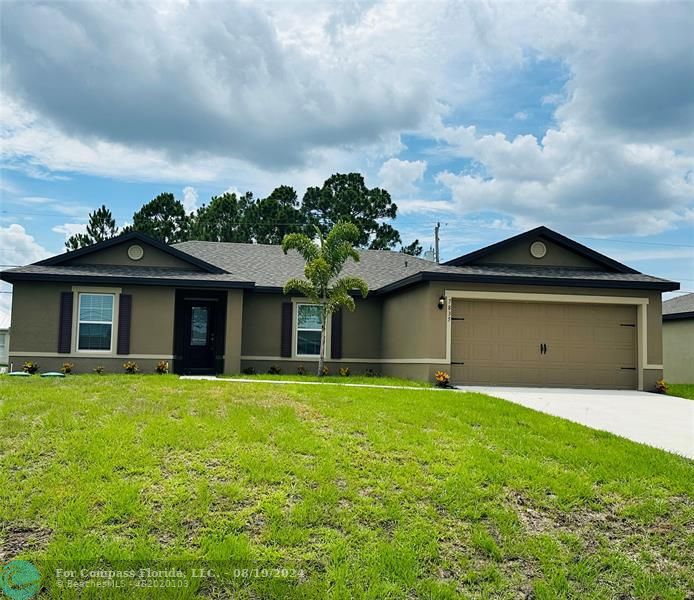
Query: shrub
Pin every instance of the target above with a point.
(370, 373)
(162, 367)
(344, 371)
(661, 386)
(67, 367)
(443, 379)
(131, 367)
(99, 370)
(274, 370)
(30, 367)
(325, 372)
(301, 370)
(248, 371)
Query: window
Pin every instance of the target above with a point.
(198, 326)
(308, 325)
(95, 327)
(2, 343)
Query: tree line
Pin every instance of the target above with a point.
(232, 217)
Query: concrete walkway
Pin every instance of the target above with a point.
(665, 422)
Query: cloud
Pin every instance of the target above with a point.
(264, 93)
(410, 206)
(70, 229)
(190, 199)
(17, 247)
(198, 79)
(65, 208)
(399, 176)
(632, 75)
(621, 157)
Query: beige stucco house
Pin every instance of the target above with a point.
(678, 339)
(535, 309)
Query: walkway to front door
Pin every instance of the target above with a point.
(665, 422)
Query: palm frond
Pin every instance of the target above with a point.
(303, 287)
(339, 299)
(350, 283)
(303, 244)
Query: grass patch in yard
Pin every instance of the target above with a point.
(368, 493)
(361, 379)
(683, 390)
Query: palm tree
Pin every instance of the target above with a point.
(324, 261)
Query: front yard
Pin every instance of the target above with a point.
(354, 492)
(683, 390)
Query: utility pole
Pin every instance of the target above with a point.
(436, 241)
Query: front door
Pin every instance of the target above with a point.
(199, 345)
(199, 337)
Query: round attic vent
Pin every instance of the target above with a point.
(538, 249)
(135, 252)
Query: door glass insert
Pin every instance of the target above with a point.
(198, 326)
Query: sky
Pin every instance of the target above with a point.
(488, 117)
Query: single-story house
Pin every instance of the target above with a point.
(678, 339)
(4, 339)
(535, 309)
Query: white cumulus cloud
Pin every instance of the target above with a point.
(399, 177)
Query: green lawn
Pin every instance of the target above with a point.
(356, 492)
(683, 390)
(360, 379)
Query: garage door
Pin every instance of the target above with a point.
(545, 344)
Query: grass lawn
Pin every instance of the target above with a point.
(683, 390)
(361, 379)
(356, 492)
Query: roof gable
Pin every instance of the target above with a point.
(561, 251)
(114, 252)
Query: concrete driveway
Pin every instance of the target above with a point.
(665, 422)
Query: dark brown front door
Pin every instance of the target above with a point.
(199, 333)
(199, 346)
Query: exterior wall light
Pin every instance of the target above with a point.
(442, 302)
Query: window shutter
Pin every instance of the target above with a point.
(125, 305)
(336, 335)
(286, 335)
(65, 324)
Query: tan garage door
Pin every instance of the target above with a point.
(535, 343)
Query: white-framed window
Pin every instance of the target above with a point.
(95, 322)
(308, 326)
(2, 343)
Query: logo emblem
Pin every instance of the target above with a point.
(20, 580)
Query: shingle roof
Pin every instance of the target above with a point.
(268, 266)
(680, 305)
(123, 273)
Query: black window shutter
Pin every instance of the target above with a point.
(65, 325)
(125, 306)
(286, 336)
(336, 335)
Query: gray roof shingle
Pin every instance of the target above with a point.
(679, 305)
(266, 266)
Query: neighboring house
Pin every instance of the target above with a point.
(678, 339)
(536, 309)
(4, 339)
